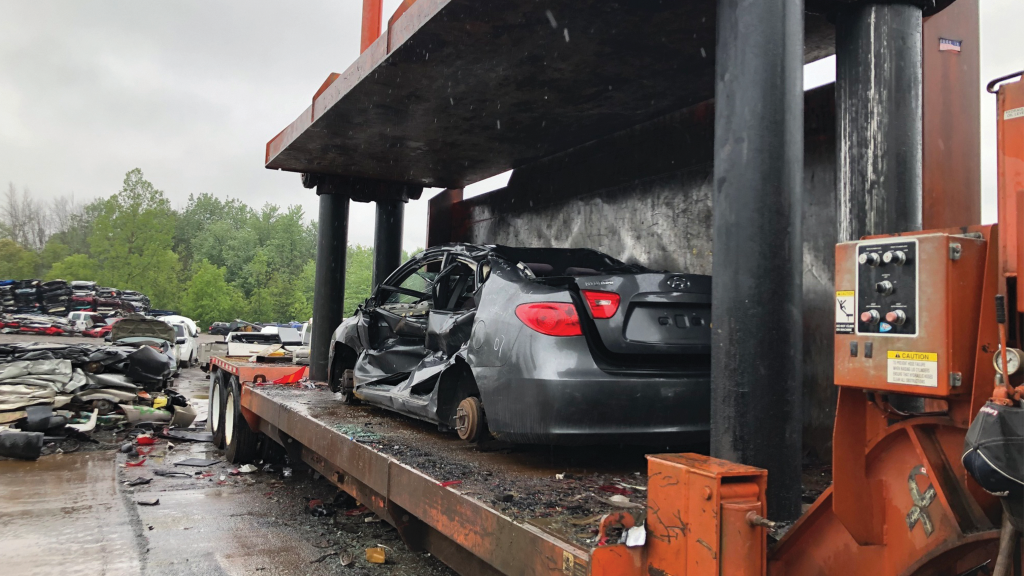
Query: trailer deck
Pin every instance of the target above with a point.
(558, 490)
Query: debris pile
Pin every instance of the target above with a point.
(86, 384)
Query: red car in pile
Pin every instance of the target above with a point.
(100, 331)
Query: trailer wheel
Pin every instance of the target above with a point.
(242, 443)
(216, 413)
(469, 419)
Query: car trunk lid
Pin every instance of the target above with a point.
(657, 313)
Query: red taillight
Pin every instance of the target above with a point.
(551, 318)
(602, 304)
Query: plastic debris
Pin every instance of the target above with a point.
(136, 414)
(166, 473)
(346, 559)
(89, 425)
(286, 472)
(148, 502)
(635, 536)
(451, 483)
(615, 490)
(198, 462)
(620, 501)
(376, 555)
(145, 440)
(138, 481)
(135, 464)
(247, 469)
(183, 416)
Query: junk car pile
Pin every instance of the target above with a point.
(58, 297)
(45, 388)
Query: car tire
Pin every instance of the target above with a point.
(470, 423)
(216, 414)
(242, 444)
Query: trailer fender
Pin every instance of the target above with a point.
(250, 417)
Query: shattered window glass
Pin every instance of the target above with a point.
(418, 281)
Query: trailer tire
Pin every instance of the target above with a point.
(469, 420)
(216, 414)
(241, 441)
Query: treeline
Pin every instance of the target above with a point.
(214, 260)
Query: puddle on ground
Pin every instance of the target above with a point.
(61, 506)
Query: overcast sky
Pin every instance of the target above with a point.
(190, 91)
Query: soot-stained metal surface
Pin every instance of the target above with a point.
(560, 346)
(461, 90)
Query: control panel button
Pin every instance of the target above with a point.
(897, 317)
(870, 258)
(884, 287)
(870, 317)
(897, 257)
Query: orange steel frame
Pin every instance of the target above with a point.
(901, 502)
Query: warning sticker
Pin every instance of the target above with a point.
(1014, 113)
(845, 311)
(914, 368)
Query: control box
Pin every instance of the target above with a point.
(907, 312)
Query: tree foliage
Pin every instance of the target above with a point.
(214, 260)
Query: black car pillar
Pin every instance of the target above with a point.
(329, 283)
(879, 118)
(758, 258)
(387, 239)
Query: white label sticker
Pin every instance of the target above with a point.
(845, 311)
(1015, 113)
(913, 368)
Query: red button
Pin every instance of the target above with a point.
(866, 316)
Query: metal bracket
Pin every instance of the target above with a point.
(955, 379)
(955, 250)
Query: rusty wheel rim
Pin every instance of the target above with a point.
(467, 419)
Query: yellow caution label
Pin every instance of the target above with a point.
(845, 293)
(919, 356)
(913, 368)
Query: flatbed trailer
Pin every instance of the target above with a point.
(480, 509)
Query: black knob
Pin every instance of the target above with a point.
(884, 287)
(870, 258)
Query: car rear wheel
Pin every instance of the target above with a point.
(216, 414)
(347, 387)
(242, 443)
(469, 420)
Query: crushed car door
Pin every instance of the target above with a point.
(397, 326)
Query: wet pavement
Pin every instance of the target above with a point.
(72, 514)
(63, 515)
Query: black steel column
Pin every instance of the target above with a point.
(878, 112)
(329, 287)
(758, 263)
(387, 239)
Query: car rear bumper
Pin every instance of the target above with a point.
(600, 409)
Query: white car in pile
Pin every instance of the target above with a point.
(187, 334)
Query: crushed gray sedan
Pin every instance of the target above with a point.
(534, 345)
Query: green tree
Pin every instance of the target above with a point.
(16, 262)
(358, 277)
(131, 241)
(209, 298)
(74, 267)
